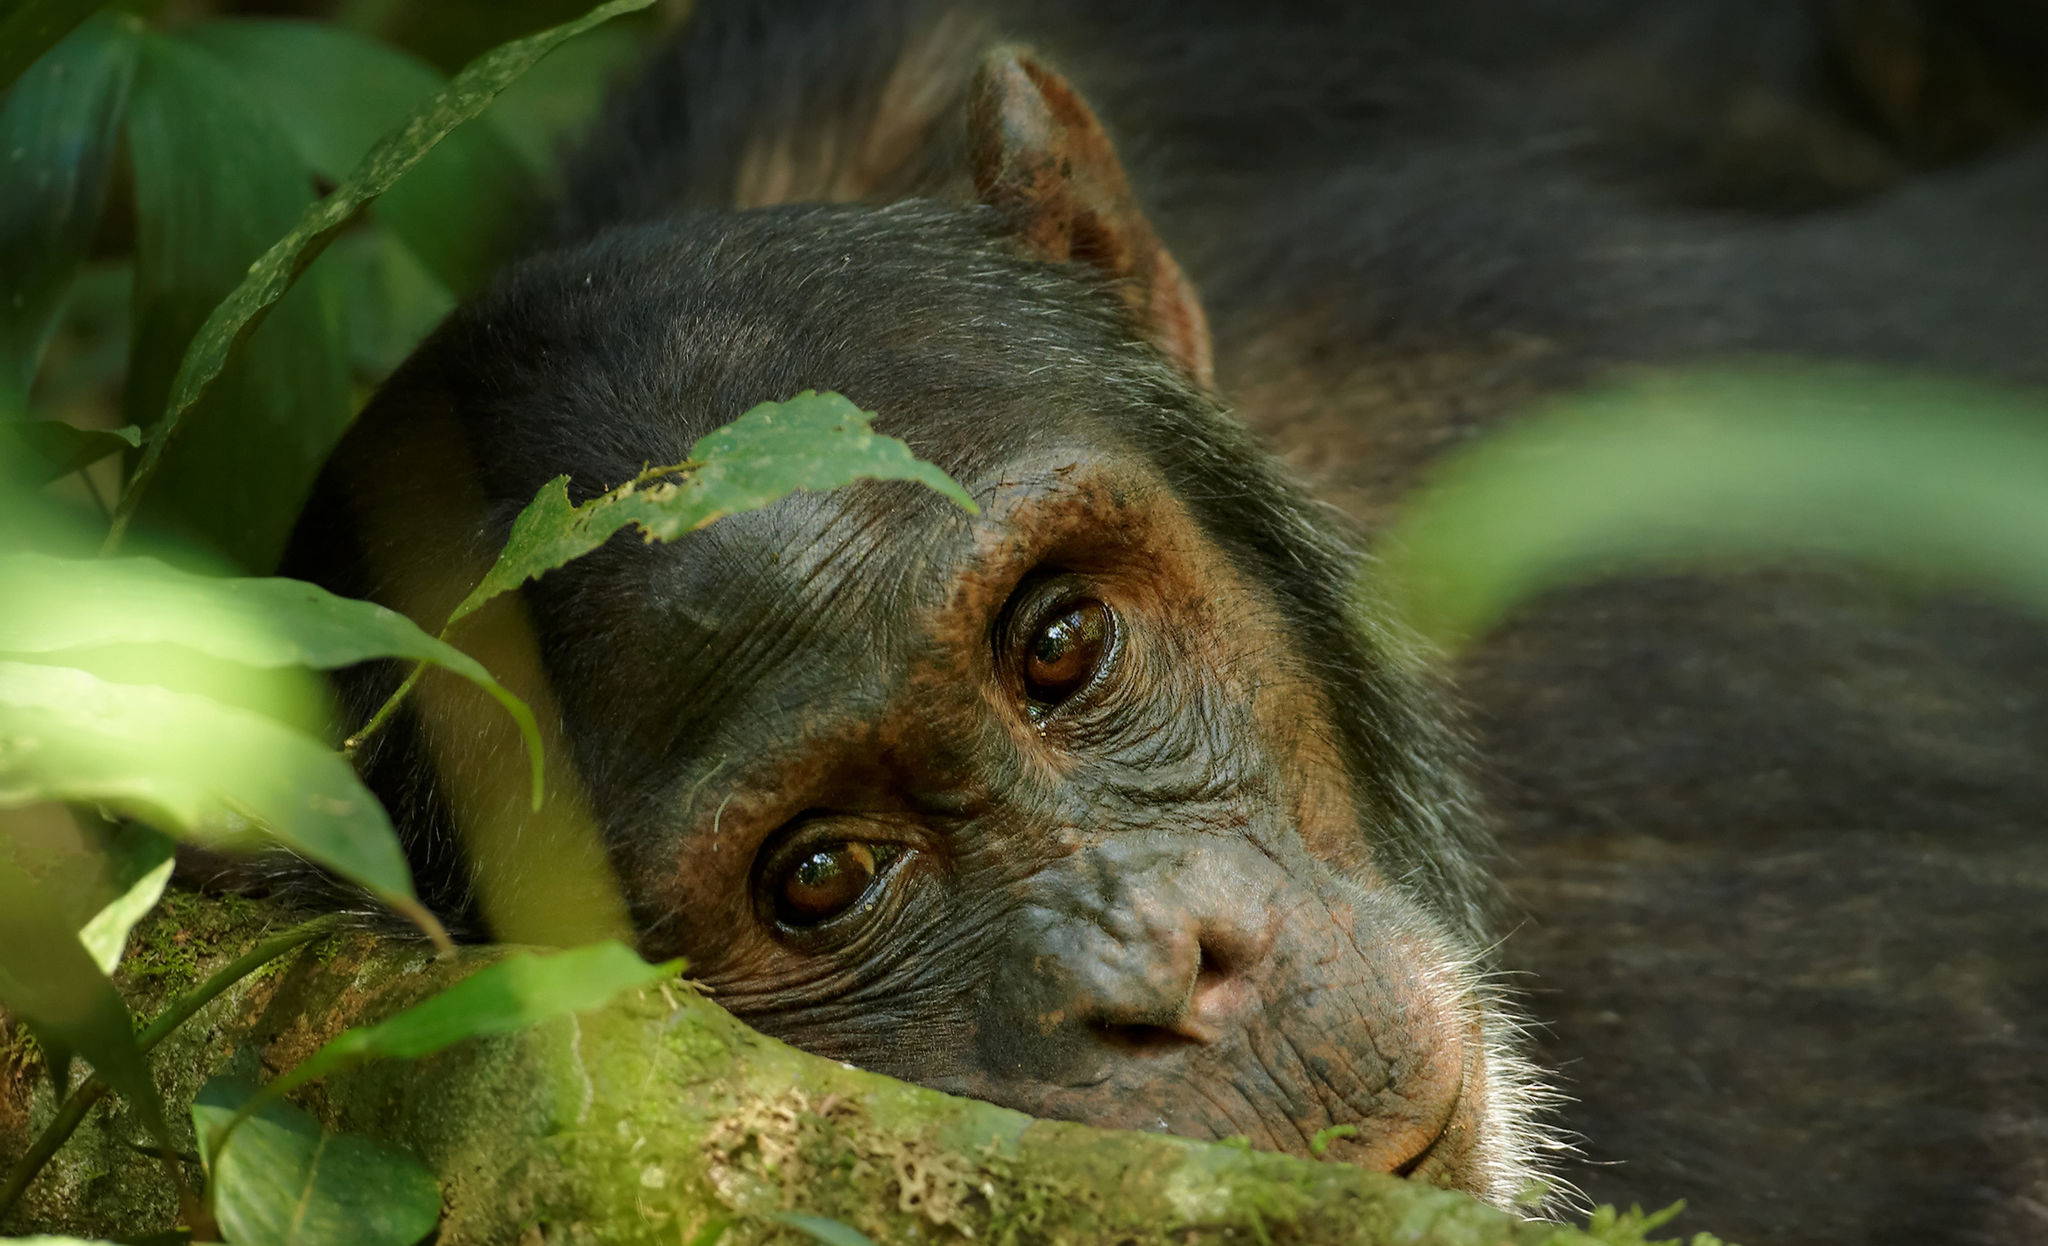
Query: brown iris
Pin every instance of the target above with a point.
(1062, 657)
(824, 883)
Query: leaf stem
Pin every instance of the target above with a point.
(92, 490)
(351, 746)
(72, 1111)
(418, 914)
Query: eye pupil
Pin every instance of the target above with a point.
(1063, 656)
(826, 883)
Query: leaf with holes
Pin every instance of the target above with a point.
(813, 441)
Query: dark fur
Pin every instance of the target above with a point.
(1779, 836)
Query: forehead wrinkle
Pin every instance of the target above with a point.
(782, 612)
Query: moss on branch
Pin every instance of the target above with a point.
(663, 1119)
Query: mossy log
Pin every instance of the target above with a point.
(663, 1119)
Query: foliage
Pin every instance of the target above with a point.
(1933, 481)
(813, 441)
(510, 995)
(287, 1180)
(160, 690)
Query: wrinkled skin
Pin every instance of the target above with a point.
(1137, 929)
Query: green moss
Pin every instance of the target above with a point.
(186, 932)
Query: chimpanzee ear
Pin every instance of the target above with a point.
(1041, 158)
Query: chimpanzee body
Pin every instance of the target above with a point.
(1773, 842)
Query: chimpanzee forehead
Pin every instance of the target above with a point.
(771, 629)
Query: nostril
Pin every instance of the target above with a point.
(1221, 989)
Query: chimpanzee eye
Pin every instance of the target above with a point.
(821, 883)
(1063, 655)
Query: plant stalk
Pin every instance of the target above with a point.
(72, 1111)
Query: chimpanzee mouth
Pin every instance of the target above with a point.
(1413, 1167)
(1438, 1153)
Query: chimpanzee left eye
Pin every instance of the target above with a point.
(821, 883)
(1065, 651)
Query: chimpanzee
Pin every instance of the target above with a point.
(1117, 801)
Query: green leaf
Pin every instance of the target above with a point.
(39, 451)
(268, 279)
(273, 622)
(466, 205)
(48, 979)
(144, 868)
(561, 96)
(813, 441)
(521, 990)
(85, 363)
(29, 28)
(216, 181)
(1934, 480)
(191, 766)
(286, 1181)
(821, 1229)
(58, 131)
(392, 301)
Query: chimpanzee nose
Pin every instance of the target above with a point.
(1144, 943)
(1189, 981)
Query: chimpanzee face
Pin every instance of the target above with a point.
(1100, 803)
(1042, 805)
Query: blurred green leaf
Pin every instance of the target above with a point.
(144, 865)
(392, 301)
(216, 181)
(451, 33)
(100, 602)
(191, 766)
(85, 363)
(58, 128)
(49, 980)
(821, 1229)
(286, 1181)
(813, 441)
(268, 279)
(1935, 480)
(42, 450)
(461, 210)
(522, 990)
(29, 28)
(561, 96)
